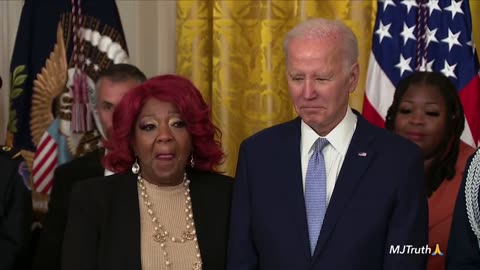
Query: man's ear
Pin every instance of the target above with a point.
(353, 77)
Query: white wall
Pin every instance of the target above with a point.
(9, 18)
(150, 32)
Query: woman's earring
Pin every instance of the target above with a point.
(192, 162)
(135, 167)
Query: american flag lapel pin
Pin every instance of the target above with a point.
(362, 154)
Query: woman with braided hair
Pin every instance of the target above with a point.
(464, 244)
(426, 109)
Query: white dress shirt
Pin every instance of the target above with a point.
(107, 172)
(334, 152)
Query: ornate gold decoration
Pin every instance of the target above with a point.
(48, 85)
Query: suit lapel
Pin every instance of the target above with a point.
(201, 216)
(97, 167)
(358, 157)
(127, 213)
(292, 173)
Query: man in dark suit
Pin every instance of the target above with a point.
(111, 85)
(15, 211)
(327, 190)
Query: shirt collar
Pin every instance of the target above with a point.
(339, 138)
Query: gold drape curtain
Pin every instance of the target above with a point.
(232, 51)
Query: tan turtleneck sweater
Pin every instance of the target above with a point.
(168, 204)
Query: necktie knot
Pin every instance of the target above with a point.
(320, 143)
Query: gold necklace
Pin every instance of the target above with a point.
(161, 235)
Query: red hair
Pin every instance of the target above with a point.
(207, 151)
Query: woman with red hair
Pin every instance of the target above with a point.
(166, 207)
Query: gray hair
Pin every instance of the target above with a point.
(117, 73)
(322, 28)
(121, 73)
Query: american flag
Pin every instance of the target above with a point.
(48, 157)
(423, 35)
(44, 162)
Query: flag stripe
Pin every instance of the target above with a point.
(44, 155)
(43, 178)
(470, 97)
(43, 170)
(44, 140)
(379, 90)
(372, 115)
(48, 182)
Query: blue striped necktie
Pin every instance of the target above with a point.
(316, 192)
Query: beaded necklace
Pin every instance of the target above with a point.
(161, 235)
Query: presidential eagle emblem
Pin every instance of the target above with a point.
(53, 119)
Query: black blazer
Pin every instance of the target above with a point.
(48, 252)
(15, 213)
(103, 228)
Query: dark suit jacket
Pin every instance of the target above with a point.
(463, 252)
(15, 213)
(103, 229)
(378, 201)
(48, 254)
